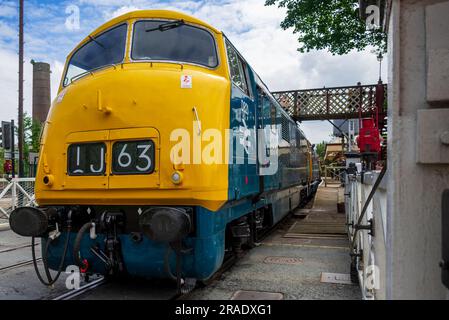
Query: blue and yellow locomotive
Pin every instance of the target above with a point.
(162, 152)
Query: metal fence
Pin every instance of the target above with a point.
(370, 240)
(14, 193)
(333, 174)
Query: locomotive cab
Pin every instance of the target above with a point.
(130, 91)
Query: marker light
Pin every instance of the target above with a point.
(176, 177)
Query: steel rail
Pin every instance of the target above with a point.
(82, 290)
(18, 265)
(17, 248)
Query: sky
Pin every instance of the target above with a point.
(253, 28)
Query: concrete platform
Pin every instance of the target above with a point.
(313, 256)
(323, 219)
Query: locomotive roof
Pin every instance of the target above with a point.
(147, 14)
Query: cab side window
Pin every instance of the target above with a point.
(238, 69)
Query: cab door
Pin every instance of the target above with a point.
(243, 176)
(268, 142)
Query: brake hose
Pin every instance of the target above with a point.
(178, 252)
(51, 281)
(47, 271)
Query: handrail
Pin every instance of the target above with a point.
(365, 206)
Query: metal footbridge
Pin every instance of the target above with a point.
(352, 102)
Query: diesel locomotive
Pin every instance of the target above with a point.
(163, 152)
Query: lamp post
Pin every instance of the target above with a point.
(380, 58)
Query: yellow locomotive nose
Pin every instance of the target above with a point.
(108, 118)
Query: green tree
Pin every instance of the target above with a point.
(329, 24)
(32, 132)
(321, 150)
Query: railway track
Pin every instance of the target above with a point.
(97, 283)
(18, 265)
(82, 290)
(17, 248)
(105, 289)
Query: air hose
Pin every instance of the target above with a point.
(77, 245)
(51, 281)
(167, 263)
(45, 259)
(177, 248)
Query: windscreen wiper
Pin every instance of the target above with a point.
(167, 26)
(97, 42)
(90, 71)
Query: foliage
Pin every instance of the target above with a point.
(321, 150)
(32, 132)
(329, 24)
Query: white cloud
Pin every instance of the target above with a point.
(120, 11)
(105, 2)
(9, 80)
(6, 31)
(9, 83)
(57, 68)
(317, 131)
(8, 9)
